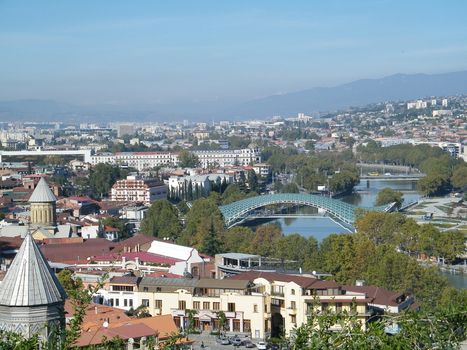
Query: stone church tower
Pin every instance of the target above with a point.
(31, 297)
(43, 205)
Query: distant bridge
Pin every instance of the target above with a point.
(236, 212)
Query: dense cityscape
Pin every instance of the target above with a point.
(167, 222)
(171, 179)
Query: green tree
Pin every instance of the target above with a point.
(459, 177)
(264, 242)
(295, 247)
(211, 244)
(380, 227)
(388, 195)
(237, 239)
(161, 220)
(187, 159)
(69, 284)
(102, 178)
(451, 244)
(253, 181)
(198, 222)
(432, 185)
(123, 231)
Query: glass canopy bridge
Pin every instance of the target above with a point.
(236, 212)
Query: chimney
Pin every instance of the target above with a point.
(360, 283)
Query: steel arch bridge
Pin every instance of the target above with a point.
(237, 211)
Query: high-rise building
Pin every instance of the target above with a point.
(125, 129)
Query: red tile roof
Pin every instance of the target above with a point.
(151, 258)
(74, 252)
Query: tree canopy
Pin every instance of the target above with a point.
(162, 220)
(388, 195)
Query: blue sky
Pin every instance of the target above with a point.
(144, 52)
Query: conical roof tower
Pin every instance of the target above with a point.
(43, 205)
(31, 297)
(42, 193)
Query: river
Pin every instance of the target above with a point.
(364, 195)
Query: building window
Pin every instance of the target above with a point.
(292, 291)
(216, 306)
(125, 302)
(324, 306)
(118, 288)
(145, 289)
(196, 305)
(293, 319)
(236, 325)
(255, 308)
(131, 302)
(181, 304)
(158, 304)
(117, 302)
(206, 305)
(338, 307)
(231, 307)
(293, 305)
(246, 325)
(145, 302)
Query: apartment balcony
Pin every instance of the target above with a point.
(292, 311)
(277, 294)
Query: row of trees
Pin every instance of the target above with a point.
(406, 235)
(336, 170)
(444, 173)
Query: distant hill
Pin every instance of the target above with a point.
(320, 99)
(358, 93)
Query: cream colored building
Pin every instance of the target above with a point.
(259, 304)
(243, 306)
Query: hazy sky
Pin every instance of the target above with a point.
(129, 52)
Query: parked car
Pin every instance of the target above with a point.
(236, 341)
(248, 344)
(262, 345)
(274, 346)
(223, 340)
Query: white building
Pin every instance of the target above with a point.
(224, 158)
(137, 160)
(444, 102)
(189, 257)
(136, 189)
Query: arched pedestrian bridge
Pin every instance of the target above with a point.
(237, 211)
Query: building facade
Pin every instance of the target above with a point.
(138, 160)
(136, 189)
(257, 303)
(222, 158)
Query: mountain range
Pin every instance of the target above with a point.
(319, 99)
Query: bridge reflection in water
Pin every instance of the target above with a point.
(236, 212)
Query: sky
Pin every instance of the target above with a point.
(157, 52)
